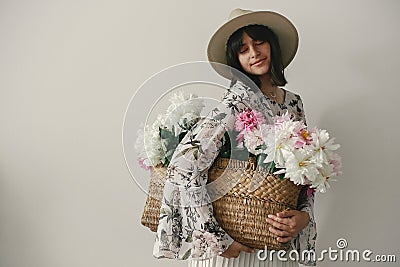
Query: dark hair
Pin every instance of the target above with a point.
(259, 33)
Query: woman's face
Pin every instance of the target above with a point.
(254, 56)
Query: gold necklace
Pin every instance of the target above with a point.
(272, 94)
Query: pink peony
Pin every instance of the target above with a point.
(142, 164)
(303, 138)
(310, 191)
(336, 162)
(248, 119)
(281, 119)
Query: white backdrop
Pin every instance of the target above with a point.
(69, 69)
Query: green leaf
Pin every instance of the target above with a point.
(187, 254)
(165, 211)
(166, 163)
(242, 154)
(220, 116)
(272, 166)
(165, 133)
(226, 154)
(169, 154)
(181, 135)
(260, 160)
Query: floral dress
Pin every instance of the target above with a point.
(187, 227)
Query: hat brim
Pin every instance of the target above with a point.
(284, 29)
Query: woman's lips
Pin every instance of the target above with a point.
(258, 62)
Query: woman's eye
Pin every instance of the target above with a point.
(242, 51)
(260, 42)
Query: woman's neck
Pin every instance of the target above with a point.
(271, 91)
(266, 86)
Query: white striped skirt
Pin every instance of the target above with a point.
(244, 260)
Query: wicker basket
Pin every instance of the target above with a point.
(151, 212)
(241, 212)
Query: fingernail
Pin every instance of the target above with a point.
(270, 216)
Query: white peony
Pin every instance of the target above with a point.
(299, 168)
(320, 183)
(148, 146)
(183, 112)
(189, 106)
(323, 145)
(252, 140)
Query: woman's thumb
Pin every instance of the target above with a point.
(246, 249)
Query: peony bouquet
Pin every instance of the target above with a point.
(155, 144)
(287, 148)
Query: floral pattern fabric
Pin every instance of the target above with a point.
(187, 227)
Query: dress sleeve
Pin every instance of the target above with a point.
(306, 239)
(187, 227)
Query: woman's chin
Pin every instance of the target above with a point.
(258, 71)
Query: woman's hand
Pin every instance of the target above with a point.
(287, 224)
(234, 250)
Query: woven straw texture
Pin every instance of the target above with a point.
(241, 212)
(151, 212)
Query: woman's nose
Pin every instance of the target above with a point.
(253, 51)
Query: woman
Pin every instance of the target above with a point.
(259, 44)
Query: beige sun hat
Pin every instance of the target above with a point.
(284, 29)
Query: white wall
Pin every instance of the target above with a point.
(69, 68)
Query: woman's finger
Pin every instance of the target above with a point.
(278, 232)
(287, 213)
(284, 239)
(246, 249)
(279, 225)
(289, 221)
